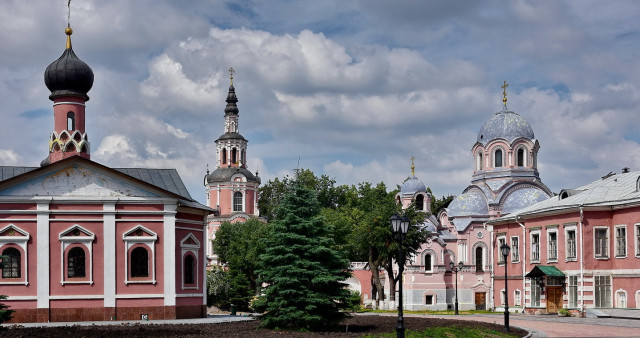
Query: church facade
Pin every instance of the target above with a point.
(84, 241)
(505, 179)
(231, 188)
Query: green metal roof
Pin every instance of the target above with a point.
(545, 270)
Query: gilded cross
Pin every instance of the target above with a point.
(413, 167)
(231, 71)
(504, 93)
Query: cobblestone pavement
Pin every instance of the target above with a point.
(554, 326)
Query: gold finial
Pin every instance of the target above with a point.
(504, 94)
(68, 30)
(413, 167)
(231, 71)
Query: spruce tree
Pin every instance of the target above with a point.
(303, 273)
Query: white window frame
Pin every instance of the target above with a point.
(500, 260)
(570, 227)
(534, 286)
(605, 255)
(636, 230)
(433, 260)
(462, 252)
(479, 159)
(616, 244)
(596, 290)
(87, 242)
(525, 156)
(233, 202)
(150, 241)
(626, 299)
(571, 302)
(549, 232)
(531, 234)
(193, 249)
(20, 240)
(517, 297)
(515, 253)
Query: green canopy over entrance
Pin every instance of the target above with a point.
(545, 270)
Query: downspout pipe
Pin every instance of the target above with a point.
(484, 225)
(523, 261)
(580, 226)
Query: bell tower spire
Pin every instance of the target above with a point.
(69, 79)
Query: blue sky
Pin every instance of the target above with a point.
(352, 88)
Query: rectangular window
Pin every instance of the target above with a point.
(462, 252)
(637, 239)
(501, 241)
(573, 291)
(427, 262)
(535, 292)
(621, 241)
(428, 299)
(535, 247)
(571, 244)
(553, 246)
(601, 240)
(515, 250)
(602, 286)
(516, 298)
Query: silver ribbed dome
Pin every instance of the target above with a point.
(523, 198)
(471, 203)
(505, 125)
(412, 185)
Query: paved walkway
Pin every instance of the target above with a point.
(209, 320)
(554, 326)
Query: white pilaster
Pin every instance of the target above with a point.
(42, 269)
(169, 258)
(109, 235)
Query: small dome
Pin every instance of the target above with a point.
(68, 75)
(522, 198)
(471, 203)
(505, 125)
(412, 185)
(225, 174)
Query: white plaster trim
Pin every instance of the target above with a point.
(531, 233)
(188, 221)
(194, 250)
(169, 259)
(71, 103)
(14, 283)
(109, 234)
(185, 295)
(149, 241)
(21, 298)
(636, 229)
(65, 297)
(608, 253)
(140, 281)
(570, 227)
(140, 295)
(66, 241)
(20, 241)
(42, 255)
(615, 241)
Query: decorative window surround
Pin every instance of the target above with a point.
(140, 235)
(571, 242)
(620, 241)
(552, 245)
(601, 247)
(20, 240)
(190, 245)
(432, 262)
(502, 239)
(515, 249)
(72, 236)
(535, 246)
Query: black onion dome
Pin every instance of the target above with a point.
(68, 75)
(231, 107)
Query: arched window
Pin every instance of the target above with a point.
(237, 201)
(241, 156)
(234, 156)
(479, 164)
(520, 157)
(139, 262)
(71, 121)
(189, 270)
(11, 262)
(224, 155)
(428, 265)
(420, 202)
(497, 158)
(75, 262)
(479, 258)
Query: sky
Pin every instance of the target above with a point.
(349, 89)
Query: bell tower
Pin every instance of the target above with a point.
(69, 79)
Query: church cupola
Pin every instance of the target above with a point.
(231, 146)
(69, 79)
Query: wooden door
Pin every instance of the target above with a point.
(554, 299)
(481, 303)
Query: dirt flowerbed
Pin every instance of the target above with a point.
(356, 326)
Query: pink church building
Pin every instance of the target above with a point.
(505, 180)
(231, 188)
(579, 250)
(84, 241)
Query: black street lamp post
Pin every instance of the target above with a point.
(455, 269)
(400, 227)
(504, 250)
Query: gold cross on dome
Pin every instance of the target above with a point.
(413, 167)
(231, 71)
(504, 93)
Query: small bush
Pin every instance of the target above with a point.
(354, 302)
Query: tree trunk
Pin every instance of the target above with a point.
(375, 273)
(392, 279)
